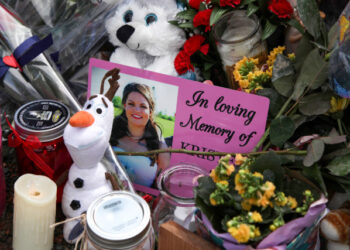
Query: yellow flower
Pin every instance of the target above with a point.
(281, 199)
(273, 54)
(230, 169)
(225, 183)
(212, 201)
(259, 175)
(238, 185)
(292, 202)
(240, 233)
(263, 201)
(239, 159)
(269, 189)
(338, 104)
(291, 56)
(213, 175)
(272, 227)
(243, 84)
(256, 216)
(257, 232)
(246, 205)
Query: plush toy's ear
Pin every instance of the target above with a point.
(113, 83)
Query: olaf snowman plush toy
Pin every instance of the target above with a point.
(143, 36)
(87, 138)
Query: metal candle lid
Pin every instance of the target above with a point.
(45, 119)
(118, 220)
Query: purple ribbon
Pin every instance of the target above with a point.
(24, 53)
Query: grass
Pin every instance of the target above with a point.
(166, 126)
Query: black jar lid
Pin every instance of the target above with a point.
(45, 119)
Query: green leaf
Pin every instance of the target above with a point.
(207, 66)
(205, 187)
(281, 129)
(276, 101)
(252, 8)
(340, 166)
(334, 139)
(216, 14)
(282, 67)
(268, 30)
(314, 152)
(313, 74)
(309, 14)
(314, 174)
(202, 6)
(294, 23)
(298, 119)
(245, 2)
(333, 35)
(186, 25)
(302, 51)
(174, 22)
(315, 104)
(284, 85)
(187, 14)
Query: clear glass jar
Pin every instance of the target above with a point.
(238, 35)
(44, 120)
(176, 199)
(120, 220)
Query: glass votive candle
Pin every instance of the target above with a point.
(176, 200)
(238, 35)
(42, 120)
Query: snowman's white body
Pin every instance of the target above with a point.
(86, 143)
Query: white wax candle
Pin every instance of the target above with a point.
(34, 212)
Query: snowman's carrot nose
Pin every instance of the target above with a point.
(82, 119)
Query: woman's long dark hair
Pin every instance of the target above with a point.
(120, 124)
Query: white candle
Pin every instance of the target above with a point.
(34, 212)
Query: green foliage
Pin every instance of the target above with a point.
(282, 129)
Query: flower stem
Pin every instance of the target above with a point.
(185, 151)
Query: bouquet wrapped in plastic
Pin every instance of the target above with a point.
(259, 204)
(77, 27)
(24, 68)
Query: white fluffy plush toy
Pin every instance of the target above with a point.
(87, 138)
(143, 36)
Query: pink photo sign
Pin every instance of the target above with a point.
(191, 115)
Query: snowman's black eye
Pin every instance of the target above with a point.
(99, 111)
(88, 106)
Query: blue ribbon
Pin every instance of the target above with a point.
(27, 51)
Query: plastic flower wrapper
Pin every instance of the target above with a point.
(45, 79)
(257, 202)
(77, 27)
(14, 83)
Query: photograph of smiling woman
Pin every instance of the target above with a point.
(135, 129)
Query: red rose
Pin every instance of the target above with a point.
(196, 3)
(281, 8)
(202, 18)
(193, 44)
(231, 3)
(204, 49)
(182, 63)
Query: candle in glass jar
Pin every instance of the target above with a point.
(34, 212)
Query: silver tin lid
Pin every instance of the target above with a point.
(45, 119)
(118, 220)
